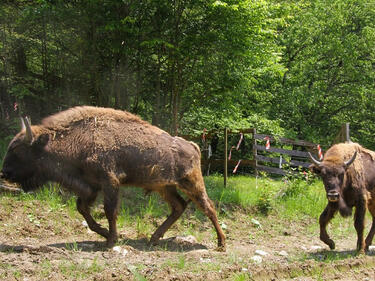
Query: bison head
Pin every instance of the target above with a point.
(20, 164)
(333, 176)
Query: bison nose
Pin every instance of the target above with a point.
(333, 196)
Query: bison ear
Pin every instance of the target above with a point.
(315, 169)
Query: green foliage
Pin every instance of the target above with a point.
(294, 196)
(296, 181)
(330, 78)
(290, 68)
(264, 204)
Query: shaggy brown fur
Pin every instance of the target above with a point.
(91, 149)
(353, 185)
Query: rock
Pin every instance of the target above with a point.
(84, 223)
(223, 226)
(261, 253)
(283, 253)
(256, 223)
(186, 240)
(371, 248)
(117, 249)
(257, 259)
(315, 248)
(120, 250)
(205, 260)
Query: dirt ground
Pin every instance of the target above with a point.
(40, 243)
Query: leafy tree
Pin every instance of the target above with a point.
(329, 55)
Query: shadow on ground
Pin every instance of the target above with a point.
(170, 244)
(333, 255)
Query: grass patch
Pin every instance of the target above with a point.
(290, 198)
(79, 270)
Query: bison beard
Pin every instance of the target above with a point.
(344, 210)
(90, 149)
(348, 174)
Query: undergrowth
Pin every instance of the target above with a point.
(291, 196)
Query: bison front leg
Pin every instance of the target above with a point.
(359, 224)
(177, 205)
(324, 219)
(371, 233)
(111, 201)
(83, 207)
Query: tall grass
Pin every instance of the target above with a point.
(289, 197)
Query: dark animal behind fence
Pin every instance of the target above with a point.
(90, 149)
(348, 174)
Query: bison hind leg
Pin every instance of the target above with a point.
(177, 205)
(193, 187)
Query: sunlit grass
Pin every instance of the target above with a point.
(249, 192)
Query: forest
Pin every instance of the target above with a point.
(297, 68)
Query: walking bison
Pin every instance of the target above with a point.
(348, 174)
(90, 150)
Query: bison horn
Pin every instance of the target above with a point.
(347, 163)
(26, 125)
(23, 127)
(316, 162)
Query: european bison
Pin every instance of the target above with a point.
(91, 149)
(348, 174)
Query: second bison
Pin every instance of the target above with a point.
(91, 149)
(348, 174)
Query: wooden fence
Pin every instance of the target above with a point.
(279, 158)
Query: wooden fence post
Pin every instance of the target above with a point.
(225, 156)
(346, 132)
(255, 152)
(343, 135)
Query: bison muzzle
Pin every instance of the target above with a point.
(90, 150)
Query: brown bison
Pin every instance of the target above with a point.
(91, 149)
(348, 174)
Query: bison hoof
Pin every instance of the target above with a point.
(331, 245)
(221, 248)
(154, 242)
(110, 244)
(154, 239)
(360, 251)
